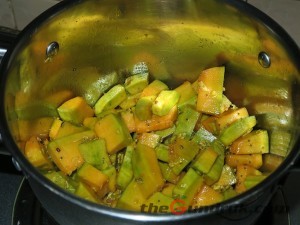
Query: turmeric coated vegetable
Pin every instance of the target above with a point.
(144, 143)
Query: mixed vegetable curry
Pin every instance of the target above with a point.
(143, 142)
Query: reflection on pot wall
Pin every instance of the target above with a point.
(17, 14)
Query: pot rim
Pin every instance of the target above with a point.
(31, 173)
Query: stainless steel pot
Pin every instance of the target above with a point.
(73, 44)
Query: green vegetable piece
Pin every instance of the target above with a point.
(130, 101)
(186, 92)
(167, 173)
(132, 197)
(166, 132)
(204, 138)
(164, 102)
(162, 152)
(157, 203)
(154, 88)
(215, 172)
(94, 152)
(186, 122)
(188, 186)
(61, 180)
(75, 110)
(229, 193)
(111, 99)
(111, 173)
(237, 129)
(114, 131)
(85, 192)
(96, 89)
(146, 169)
(136, 83)
(280, 142)
(205, 160)
(226, 180)
(252, 180)
(143, 108)
(181, 153)
(125, 174)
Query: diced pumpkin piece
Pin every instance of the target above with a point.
(207, 196)
(94, 152)
(68, 128)
(34, 152)
(92, 176)
(156, 122)
(242, 171)
(132, 197)
(149, 139)
(114, 131)
(254, 160)
(188, 186)
(255, 142)
(164, 102)
(157, 203)
(55, 128)
(128, 118)
(205, 160)
(237, 129)
(226, 180)
(168, 189)
(90, 122)
(111, 173)
(65, 151)
(181, 152)
(210, 92)
(75, 110)
(111, 99)
(154, 88)
(136, 83)
(146, 169)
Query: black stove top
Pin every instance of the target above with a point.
(19, 205)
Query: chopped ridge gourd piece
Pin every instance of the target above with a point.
(68, 128)
(92, 177)
(167, 173)
(253, 180)
(237, 129)
(85, 192)
(188, 186)
(255, 142)
(136, 83)
(210, 92)
(61, 180)
(242, 171)
(162, 152)
(271, 162)
(166, 132)
(160, 201)
(186, 92)
(111, 173)
(125, 174)
(254, 160)
(143, 108)
(280, 142)
(205, 160)
(111, 99)
(128, 119)
(164, 102)
(186, 122)
(34, 152)
(226, 180)
(114, 131)
(154, 88)
(207, 196)
(94, 152)
(65, 151)
(215, 172)
(181, 153)
(149, 139)
(229, 193)
(146, 169)
(156, 122)
(168, 189)
(75, 110)
(132, 197)
(203, 138)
